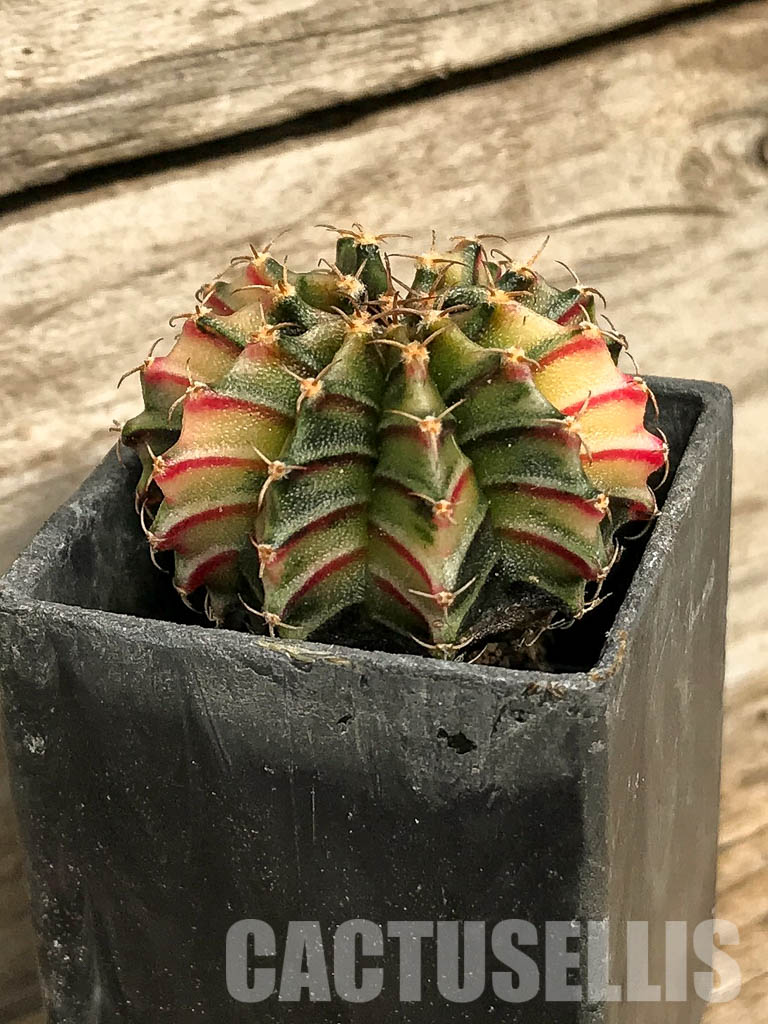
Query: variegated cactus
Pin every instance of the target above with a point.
(451, 459)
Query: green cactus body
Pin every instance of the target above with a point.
(321, 443)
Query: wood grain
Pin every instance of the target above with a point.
(86, 84)
(647, 162)
(743, 865)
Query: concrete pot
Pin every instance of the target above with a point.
(172, 779)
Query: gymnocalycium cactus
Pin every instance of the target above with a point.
(452, 458)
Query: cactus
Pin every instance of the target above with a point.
(450, 460)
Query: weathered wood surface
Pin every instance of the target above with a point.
(86, 84)
(659, 193)
(743, 866)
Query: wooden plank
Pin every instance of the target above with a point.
(743, 865)
(661, 198)
(86, 84)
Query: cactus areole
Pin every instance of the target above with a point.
(450, 461)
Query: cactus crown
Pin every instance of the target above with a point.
(452, 457)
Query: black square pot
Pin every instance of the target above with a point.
(172, 779)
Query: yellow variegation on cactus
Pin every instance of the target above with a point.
(444, 458)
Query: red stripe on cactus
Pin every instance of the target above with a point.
(209, 401)
(406, 555)
(592, 342)
(551, 493)
(454, 496)
(310, 528)
(191, 330)
(629, 392)
(392, 591)
(572, 313)
(651, 456)
(170, 470)
(155, 372)
(215, 304)
(563, 435)
(584, 569)
(172, 538)
(206, 569)
(414, 431)
(461, 483)
(335, 565)
(254, 277)
(401, 429)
